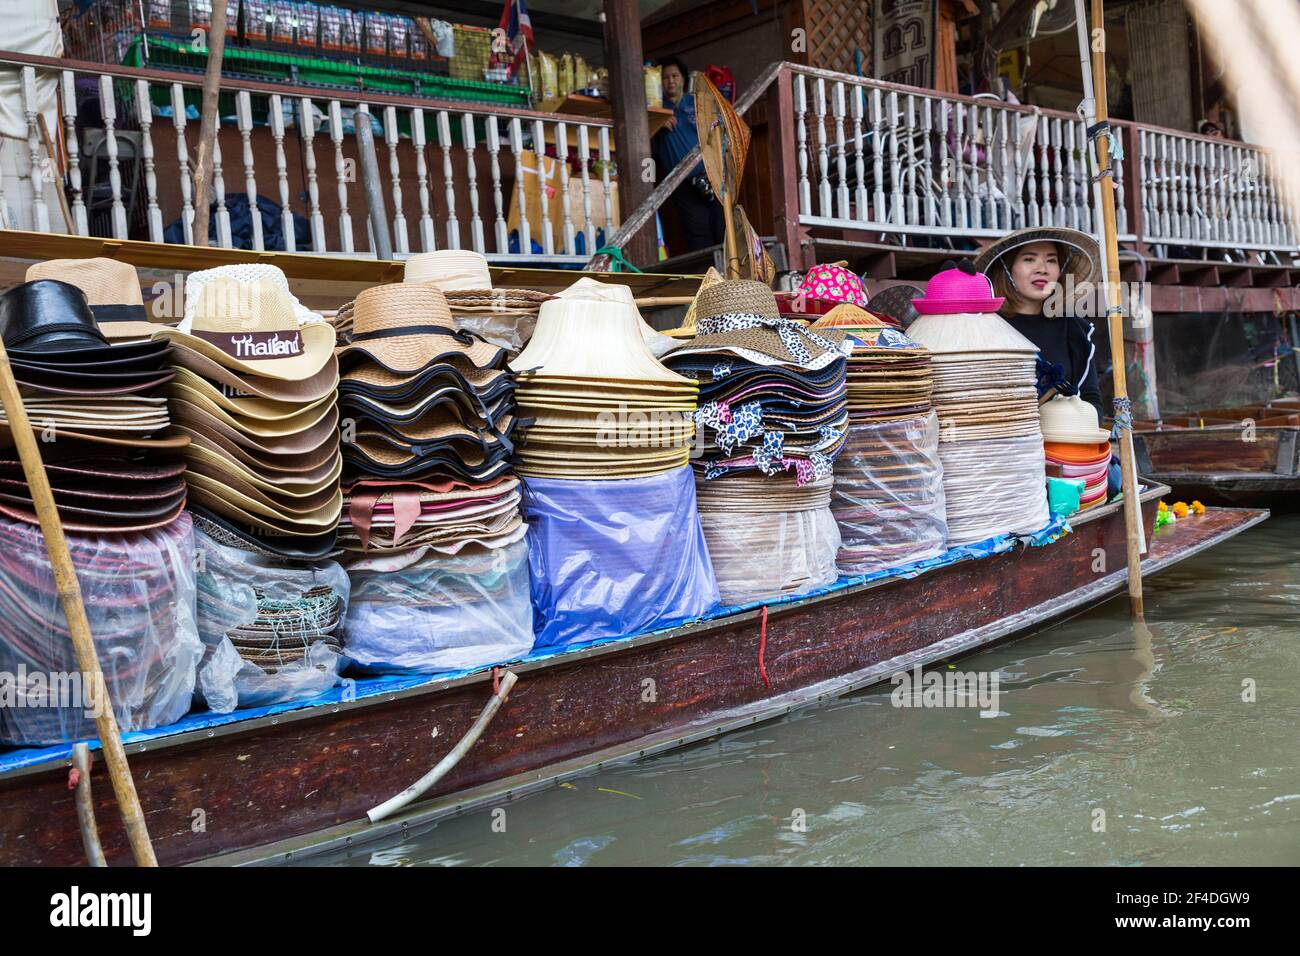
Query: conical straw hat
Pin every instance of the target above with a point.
(593, 334)
(618, 294)
(968, 332)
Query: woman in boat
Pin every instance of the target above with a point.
(1028, 267)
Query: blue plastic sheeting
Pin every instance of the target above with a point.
(366, 687)
(615, 557)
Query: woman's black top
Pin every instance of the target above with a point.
(1065, 341)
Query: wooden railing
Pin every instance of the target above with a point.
(457, 175)
(880, 158)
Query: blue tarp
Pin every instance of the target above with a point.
(366, 687)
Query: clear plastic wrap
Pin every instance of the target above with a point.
(138, 590)
(993, 486)
(617, 557)
(269, 627)
(443, 613)
(888, 498)
(761, 557)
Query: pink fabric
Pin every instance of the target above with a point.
(833, 284)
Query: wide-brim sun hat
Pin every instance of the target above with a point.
(1083, 261)
(958, 288)
(1068, 418)
(405, 328)
(251, 328)
(246, 273)
(592, 336)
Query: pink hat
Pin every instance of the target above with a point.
(958, 288)
(833, 284)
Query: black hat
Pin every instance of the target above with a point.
(49, 316)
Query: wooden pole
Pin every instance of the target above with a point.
(1095, 110)
(58, 184)
(86, 806)
(209, 122)
(623, 55)
(65, 579)
(370, 180)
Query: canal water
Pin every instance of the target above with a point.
(1173, 744)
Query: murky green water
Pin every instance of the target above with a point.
(1147, 726)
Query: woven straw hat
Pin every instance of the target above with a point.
(251, 328)
(737, 295)
(405, 328)
(592, 337)
(244, 272)
(1084, 254)
(968, 332)
(106, 282)
(449, 269)
(687, 329)
(619, 295)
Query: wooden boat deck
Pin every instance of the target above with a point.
(275, 786)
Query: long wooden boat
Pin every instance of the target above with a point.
(280, 785)
(1247, 456)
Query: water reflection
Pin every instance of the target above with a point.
(1146, 724)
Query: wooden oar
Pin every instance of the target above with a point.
(1094, 98)
(65, 580)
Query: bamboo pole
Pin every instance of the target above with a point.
(209, 122)
(65, 579)
(1095, 111)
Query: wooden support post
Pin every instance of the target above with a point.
(624, 58)
(370, 180)
(785, 170)
(209, 123)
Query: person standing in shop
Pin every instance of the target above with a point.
(697, 208)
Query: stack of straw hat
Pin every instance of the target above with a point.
(255, 392)
(429, 412)
(888, 497)
(775, 416)
(772, 392)
(990, 442)
(1075, 447)
(101, 409)
(599, 402)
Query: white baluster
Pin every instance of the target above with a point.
(392, 138)
(959, 165)
(909, 124)
(823, 153)
(1045, 170)
(990, 175)
(945, 168)
(1181, 196)
(1058, 162)
(1146, 183)
(896, 210)
(539, 151)
(801, 129)
(517, 147)
(144, 113)
(244, 114)
(1030, 179)
(604, 176)
(79, 226)
(471, 166)
(42, 169)
(341, 171)
(584, 156)
(859, 151)
(449, 180)
(108, 109)
(182, 161)
(219, 194)
(494, 150)
(1070, 139)
(427, 241)
(562, 151)
(307, 114)
(841, 159)
(1004, 158)
(276, 116)
(976, 210)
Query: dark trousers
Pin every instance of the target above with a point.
(701, 219)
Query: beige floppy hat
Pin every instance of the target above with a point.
(620, 295)
(251, 328)
(105, 281)
(448, 269)
(403, 328)
(592, 332)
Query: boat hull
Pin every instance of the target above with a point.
(1225, 465)
(274, 787)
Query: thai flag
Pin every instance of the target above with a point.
(517, 28)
